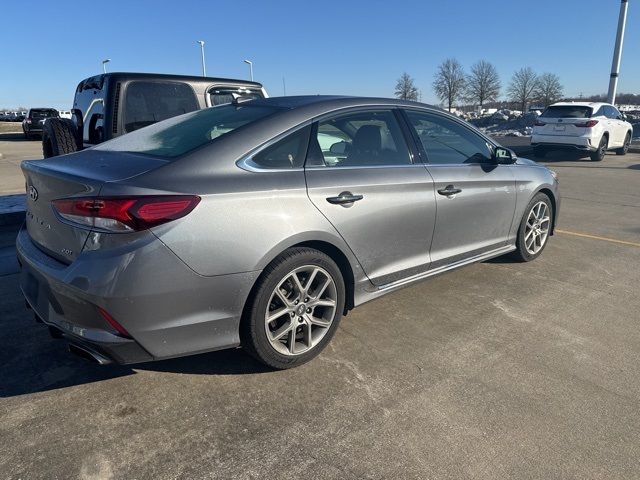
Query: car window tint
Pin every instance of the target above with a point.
(366, 138)
(288, 152)
(222, 95)
(567, 111)
(150, 102)
(446, 141)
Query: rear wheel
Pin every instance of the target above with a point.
(625, 145)
(599, 154)
(295, 309)
(534, 229)
(59, 137)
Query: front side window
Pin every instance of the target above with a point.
(446, 141)
(367, 138)
(150, 102)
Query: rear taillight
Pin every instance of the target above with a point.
(589, 124)
(122, 332)
(124, 214)
(539, 124)
(28, 120)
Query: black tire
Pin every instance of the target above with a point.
(521, 253)
(59, 137)
(253, 329)
(539, 152)
(599, 154)
(625, 146)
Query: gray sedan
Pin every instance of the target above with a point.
(260, 223)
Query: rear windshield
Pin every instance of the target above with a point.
(150, 102)
(179, 135)
(567, 111)
(44, 113)
(222, 95)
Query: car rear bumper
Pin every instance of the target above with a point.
(561, 142)
(168, 309)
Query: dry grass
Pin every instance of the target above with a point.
(6, 127)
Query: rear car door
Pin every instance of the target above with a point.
(475, 197)
(617, 129)
(361, 175)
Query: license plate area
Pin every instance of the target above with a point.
(559, 128)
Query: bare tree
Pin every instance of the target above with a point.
(549, 89)
(449, 81)
(521, 90)
(406, 88)
(483, 83)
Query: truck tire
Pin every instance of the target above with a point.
(59, 137)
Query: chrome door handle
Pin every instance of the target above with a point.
(344, 198)
(449, 190)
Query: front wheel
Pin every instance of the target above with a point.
(534, 229)
(625, 145)
(295, 310)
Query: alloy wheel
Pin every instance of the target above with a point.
(301, 309)
(537, 228)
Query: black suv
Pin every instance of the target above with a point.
(112, 104)
(33, 123)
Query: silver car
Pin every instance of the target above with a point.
(260, 223)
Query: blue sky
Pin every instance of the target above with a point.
(328, 47)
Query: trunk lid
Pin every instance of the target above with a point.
(81, 174)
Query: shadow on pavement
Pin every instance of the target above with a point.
(17, 137)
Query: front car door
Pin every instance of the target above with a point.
(617, 129)
(361, 175)
(475, 197)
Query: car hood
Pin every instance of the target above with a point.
(526, 161)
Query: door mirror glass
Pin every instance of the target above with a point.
(504, 155)
(339, 148)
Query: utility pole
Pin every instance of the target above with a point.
(204, 68)
(617, 52)
(284, 87)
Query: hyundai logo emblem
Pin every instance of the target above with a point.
(33, 193)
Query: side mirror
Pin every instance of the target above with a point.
(504, 156)
(339, 148)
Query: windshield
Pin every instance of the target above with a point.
(567, 111)
(179, 135)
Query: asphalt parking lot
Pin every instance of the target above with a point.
(498, 370)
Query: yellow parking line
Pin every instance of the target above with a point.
(595, 237)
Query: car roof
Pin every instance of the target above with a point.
(581, 104)
(123, 76)
(318, 104)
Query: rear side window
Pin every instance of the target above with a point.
(361, 139)
(177, 136)
(150, 102)
(286, 153)
(222, 95)
(567, 111)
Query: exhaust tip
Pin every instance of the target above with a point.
(87, 354)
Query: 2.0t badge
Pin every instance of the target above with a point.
(33, 193)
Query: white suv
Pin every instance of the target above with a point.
(589, 127)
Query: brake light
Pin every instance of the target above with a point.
(125, 214)
(112, 321)
(539, 124)
(589, 124)
(28, 120)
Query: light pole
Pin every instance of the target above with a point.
(250, 63)
(204, 68)
(617, 53)
(104, 64)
